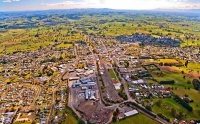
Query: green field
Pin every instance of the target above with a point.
(176, 76)
(70, 118)
(171, 103)
(112, 73)
(193, 94)
(137, 119)
(180, 88)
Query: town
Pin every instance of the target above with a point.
(94, 78)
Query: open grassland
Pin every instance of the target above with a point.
(136, 119)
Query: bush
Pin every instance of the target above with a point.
(148, 108)
(123, 95)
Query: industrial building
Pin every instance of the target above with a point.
(131, 113)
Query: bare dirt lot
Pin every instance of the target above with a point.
(193, 75)
(92, 111)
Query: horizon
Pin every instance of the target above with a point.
(37, 5)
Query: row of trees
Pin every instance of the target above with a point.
(196, 84)
(183, 103)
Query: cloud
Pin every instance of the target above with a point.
(73, 4)
(9, 1)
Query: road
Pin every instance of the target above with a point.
(53, 101)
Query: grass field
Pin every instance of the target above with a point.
(191, 66)
(171, 103)
(137, 119)
(176, 76)
(168, 61)
(112, 73)
(64, 45)
(193, 94)
(182, 89)
(70, 119)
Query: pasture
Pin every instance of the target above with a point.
(137, 119)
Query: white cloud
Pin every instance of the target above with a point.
(9, 1)
(127, 4)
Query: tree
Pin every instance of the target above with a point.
(117, 110)
(186, 64)
(196, 84)
(80, 121)
(114, 119)
(148, 108)
(133, 77)
(180, 114)
(159, 102)
(173, 112)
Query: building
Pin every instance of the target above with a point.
(85, 80)
(90, 94)
(76, 84)
(131, 113)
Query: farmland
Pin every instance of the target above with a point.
(113, 24)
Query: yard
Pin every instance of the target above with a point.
(137, 119)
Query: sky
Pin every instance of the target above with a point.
(21, 5)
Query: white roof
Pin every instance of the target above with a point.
(117, 86)
(130, 113)
(140, 81)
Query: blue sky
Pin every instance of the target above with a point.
(18, 5)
